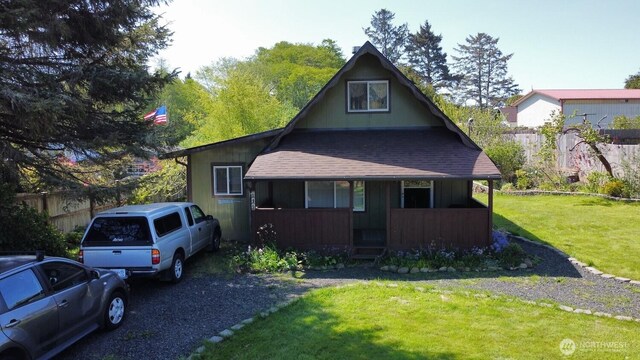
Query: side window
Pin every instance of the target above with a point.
(21, 288)
(167, 224)
(189, 216)
(198, 215)
(63, 276)
(227, 180)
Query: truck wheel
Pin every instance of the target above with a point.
(177, 267)
(214, 245)
(114, 311)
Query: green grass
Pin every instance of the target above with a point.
(381, 322)
(600, 232)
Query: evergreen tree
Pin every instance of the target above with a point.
(483, 71)
(427, 58)
(74, 79)
(389, 39)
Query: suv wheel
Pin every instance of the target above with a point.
(177, 268)
(115, 310)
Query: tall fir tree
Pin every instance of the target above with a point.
(483, 71)
(389, 39)
(74, 80)
(427, 58)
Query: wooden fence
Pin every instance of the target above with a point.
(65, 213)
(578, 158)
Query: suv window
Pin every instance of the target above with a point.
(198, 215)
(62, 276)
(167, 223)
(122, 231)
(20, 288)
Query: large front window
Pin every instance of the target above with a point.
(334, 194)
(417, 194)
(363, 96)
(227, 180)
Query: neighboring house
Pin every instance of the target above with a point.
(370, 163)
(535, 108)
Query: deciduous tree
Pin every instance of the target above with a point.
(633, 81)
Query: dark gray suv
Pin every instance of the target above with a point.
(47, 304)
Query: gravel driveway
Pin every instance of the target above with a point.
(170, 321)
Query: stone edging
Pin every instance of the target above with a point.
(224, 334)
(575, 262)
(484, 189)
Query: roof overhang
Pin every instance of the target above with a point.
(372, 155)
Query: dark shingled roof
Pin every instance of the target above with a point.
(373, 154)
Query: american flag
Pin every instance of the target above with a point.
(159, 116)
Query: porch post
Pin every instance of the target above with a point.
(252, 199)
(490, 209)
(388, 210)
(351, 213)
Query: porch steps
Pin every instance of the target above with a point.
(368, 252)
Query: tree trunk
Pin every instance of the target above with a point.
(603, 160)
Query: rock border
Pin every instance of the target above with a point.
(227, 333)
(578, 263)
(479, 188)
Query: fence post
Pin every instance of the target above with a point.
(45, 204)
(92, 206)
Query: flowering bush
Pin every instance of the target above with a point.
(499, 241)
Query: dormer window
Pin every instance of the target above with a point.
(368, 96)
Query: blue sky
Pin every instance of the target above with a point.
(561, 44)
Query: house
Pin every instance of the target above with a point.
(535, 107)
(368, 163)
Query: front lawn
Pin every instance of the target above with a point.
(600, 232)
(404, 322)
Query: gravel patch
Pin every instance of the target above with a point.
(167, 321)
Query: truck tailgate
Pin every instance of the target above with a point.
(124, 258)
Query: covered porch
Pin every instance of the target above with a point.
(393, 217)
(392, 189)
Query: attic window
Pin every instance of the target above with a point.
(368, 96)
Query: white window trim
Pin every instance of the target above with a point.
(430, 187)
(368, 82)
(335, 193)
(215, 181)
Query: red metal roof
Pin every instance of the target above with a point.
(373, 154)
(585, 94)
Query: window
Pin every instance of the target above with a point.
(119, 230)
(227, 180)
(21, 288)
(363, 96)
(417, 194)
(198, 215)
(63, 276)
(167, 224)
(333, 194)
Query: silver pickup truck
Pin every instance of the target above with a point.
(149, 240)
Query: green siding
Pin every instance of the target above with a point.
(450, 192)
(405, 110)
(375, 215)
(232, 211)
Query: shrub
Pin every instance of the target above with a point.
(507, 186)
(500, 241)
(29, 230)
(616, 188)
(508, 155)
(512, 255)
(595, 181)
(523, 180)
(266, 259)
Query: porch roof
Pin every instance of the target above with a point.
(372, 154)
